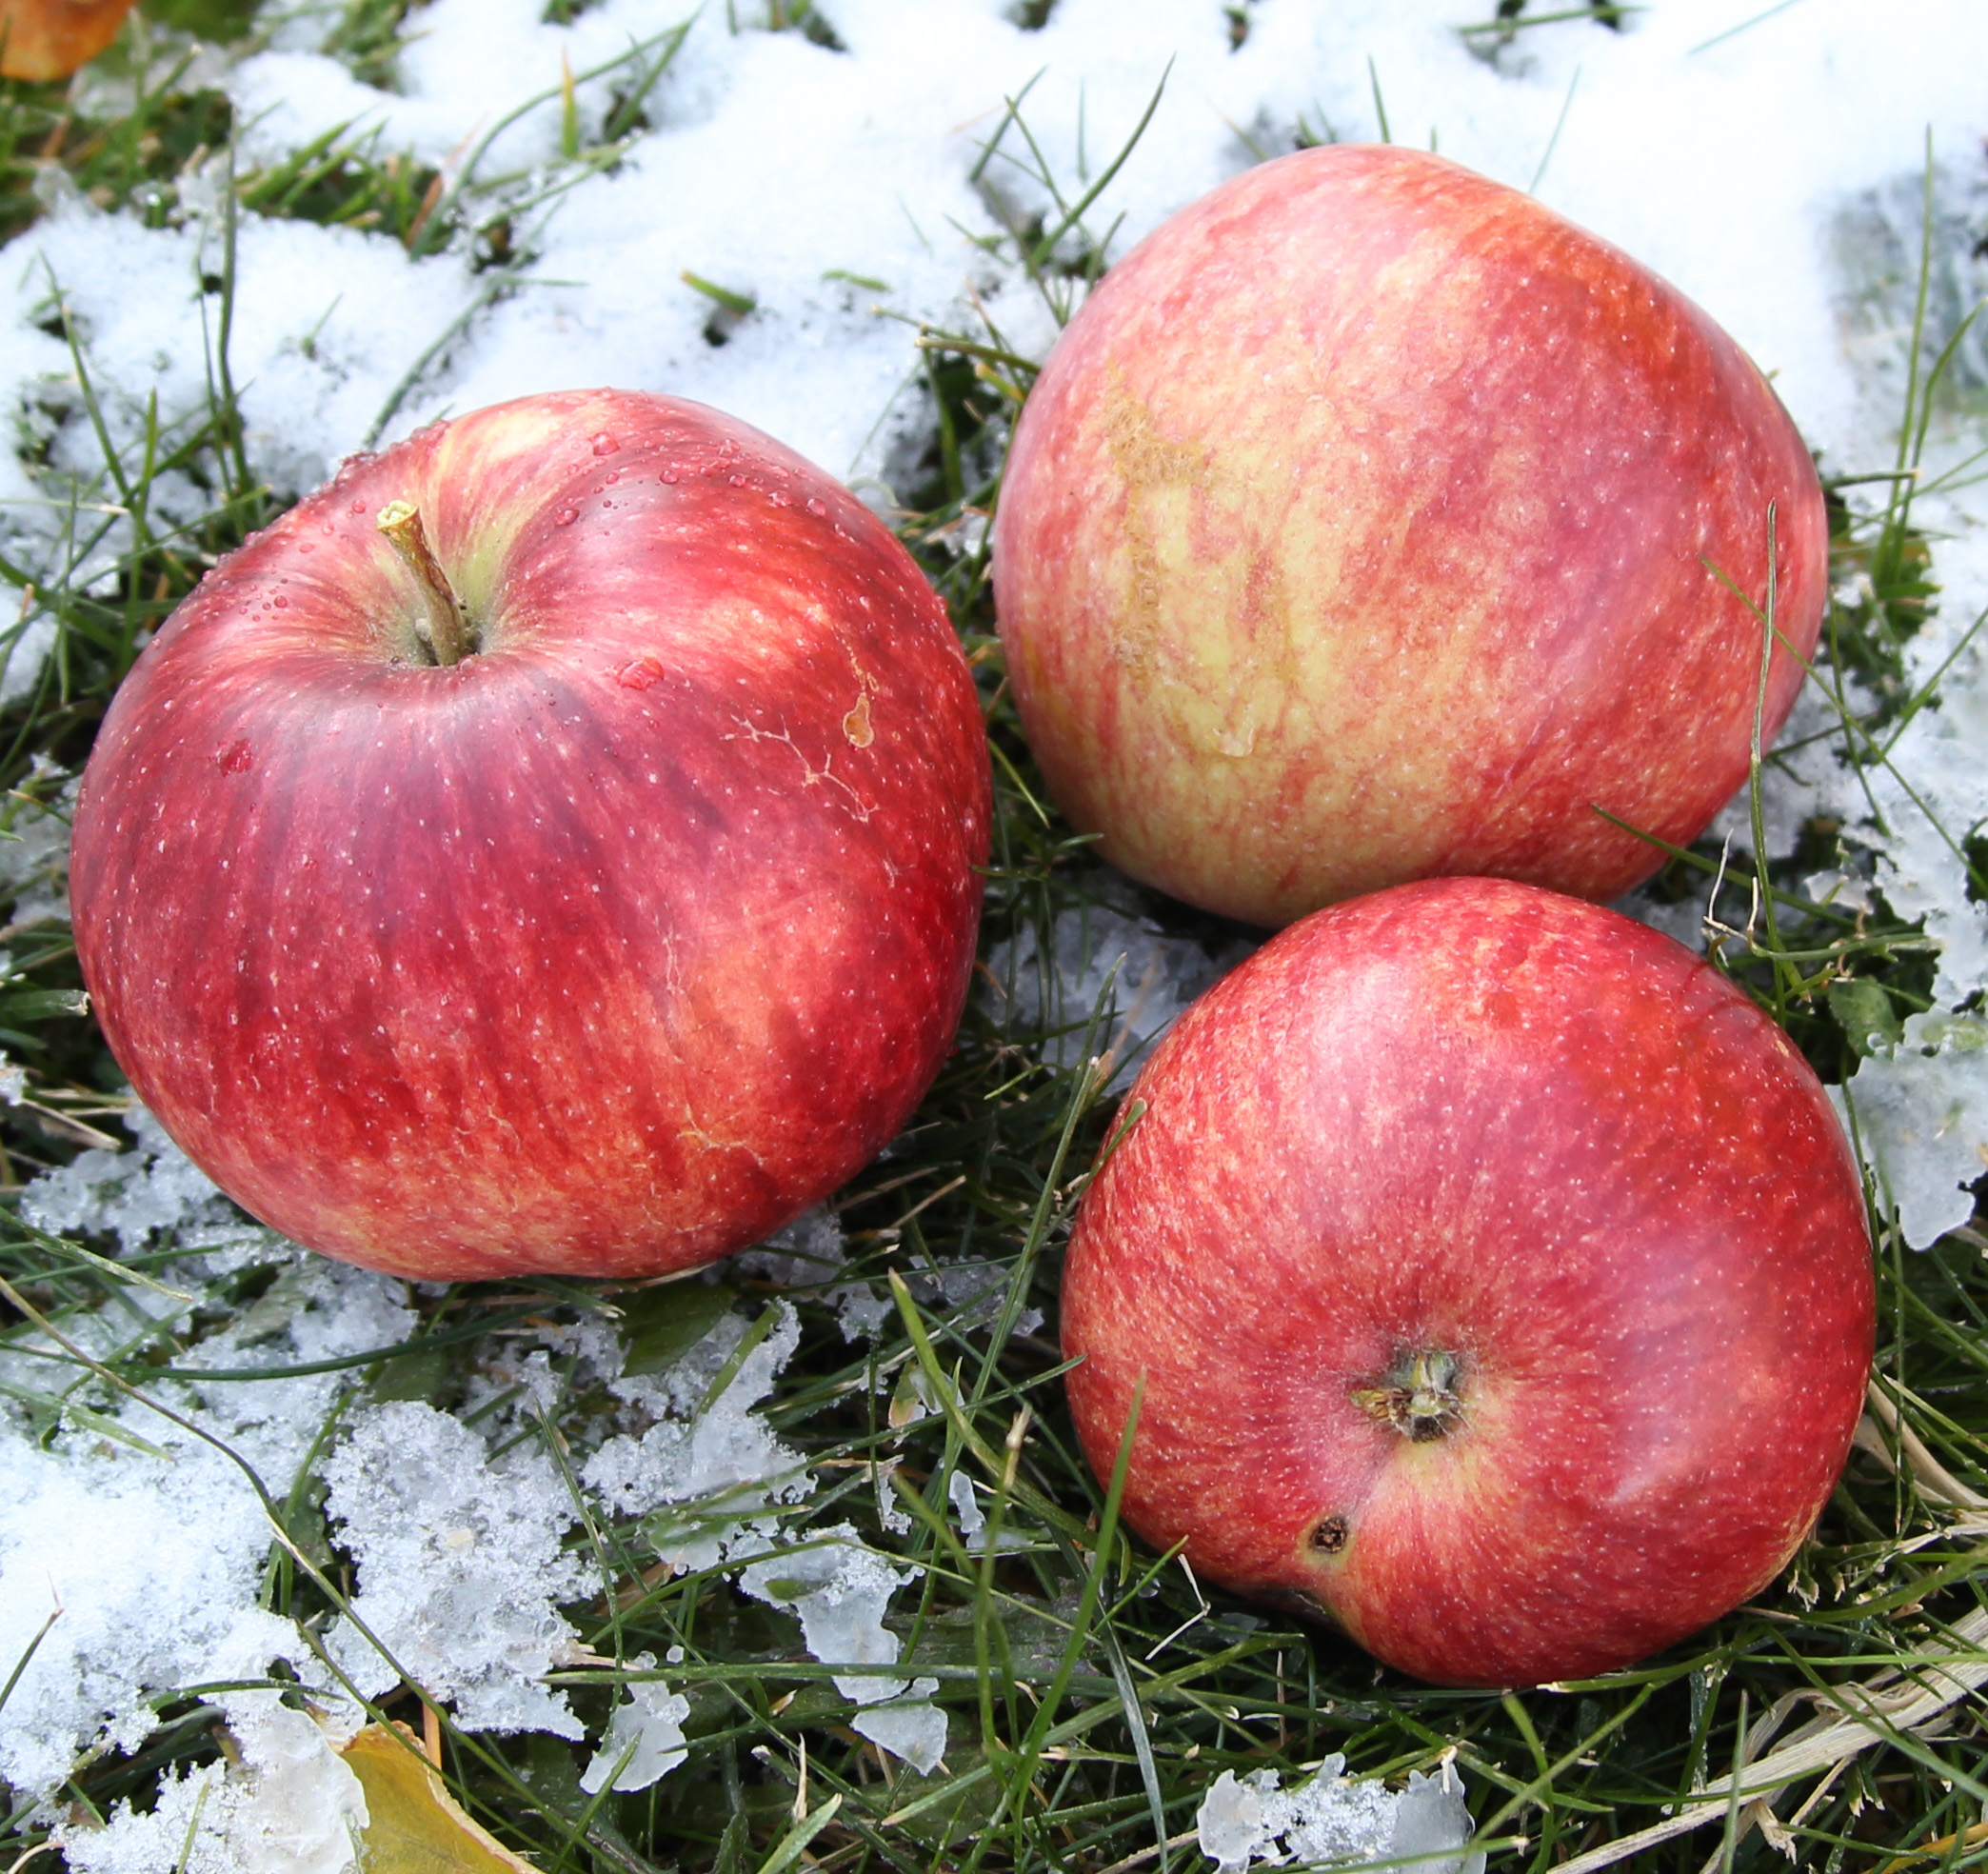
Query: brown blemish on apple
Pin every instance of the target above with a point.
(856, 724)
(1329, 1537)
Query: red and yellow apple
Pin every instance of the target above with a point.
(1371, 522)
(1496, 1280)
(550, 846)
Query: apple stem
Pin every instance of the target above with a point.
(444, 630)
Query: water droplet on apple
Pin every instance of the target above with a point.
(640, 674)
(281, 600)
(613, 475)
(669, 475)
(307, 546)
(738, 481)
(605, 445)
(816, 505)
(565, 517)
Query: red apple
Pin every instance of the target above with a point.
(605, 948)
(1499, 1281)
(1362, 526)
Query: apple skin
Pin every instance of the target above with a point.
(601, 952)
(45, 39)
(1356, 531)
(1473, 1120)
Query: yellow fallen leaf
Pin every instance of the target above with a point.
(416, 1825)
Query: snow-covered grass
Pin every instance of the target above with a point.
(798, 1562)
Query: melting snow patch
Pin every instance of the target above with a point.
(1337, 1819)
(645, 1736)
(809, 1253)
(460, 1566)
(1921, 1115)
(156, 1560)
(35, 845)
(973, 1519)
(913, 1729)
(1056, 992)
(705, 1469)
(154, 1187)
(839, 1588)
(290, 1805)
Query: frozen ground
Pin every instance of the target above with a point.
(1772, 168)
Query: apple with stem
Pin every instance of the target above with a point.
(549, 847)
(1370, 522)
(1496, 1280)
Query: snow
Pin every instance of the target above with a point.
(35, 840)
(460, 1566)
(1334, 1819)
(153, 1190)
(839, 1587)
(1114, 978)
(155, 1561)
(1921, 1109)
(775, 168)
(644, 1735)
(290, 1805)
(705, 1470)
(912, 1728)
(807, 1255)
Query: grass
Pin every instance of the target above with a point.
(1095, 1689)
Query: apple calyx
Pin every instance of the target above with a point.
(1418, 1396)
(443, 629)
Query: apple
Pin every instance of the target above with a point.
(1498, 1281)
(45, 39)
(550, 846)
(1370, 522)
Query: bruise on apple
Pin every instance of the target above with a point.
(1497, 1277)
(574, 873)
(1371, 522)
